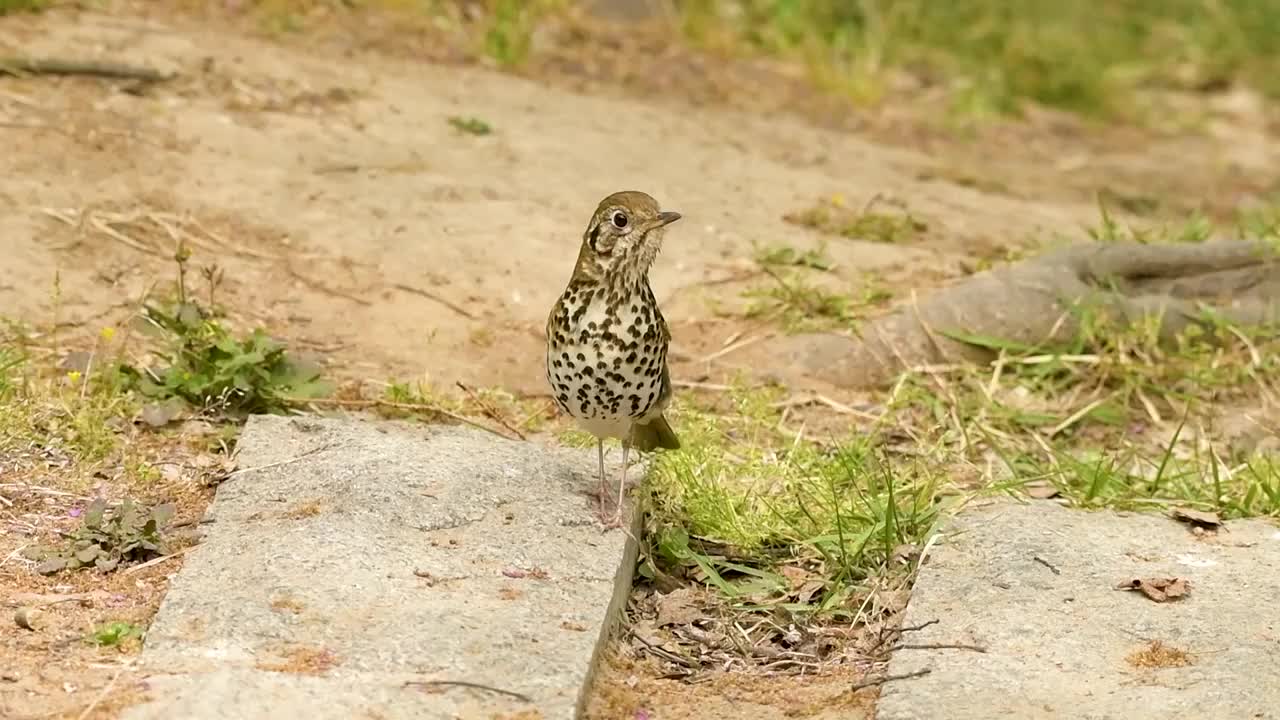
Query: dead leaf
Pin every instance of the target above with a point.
(159, 414)
(1158, 589)
(78, 361)
(1040, 490)
(678, 607)
(796, 576)
(27, 618)
(1197, 518)
(1158, 655)
(808, 590)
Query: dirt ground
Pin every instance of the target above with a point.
(351, 219)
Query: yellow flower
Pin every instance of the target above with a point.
(837, 200)
(74, 376)
(108, 333)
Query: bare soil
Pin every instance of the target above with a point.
(320, 172)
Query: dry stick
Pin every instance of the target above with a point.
(488, 409)
(316, 285)
(713, 387)
(290, 461)
(92, 68)
(432, 296)
(939, 646)
(157, 561)
(106, 689)
(419, 407)
(888, 678)
(473, 685)
(733, 348)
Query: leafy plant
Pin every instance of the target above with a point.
(13, 6)
(471, 125)
(205, 365)
(115, 634)
(107, 537)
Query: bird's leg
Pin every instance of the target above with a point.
(622, 484)
(604, 484)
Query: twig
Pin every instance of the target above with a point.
(416, 407)
(157, 561)
(939, 646)
(1046, 563)
(921, 626)
(290, 461)
(106, 689)
(317, 285)
(432, 296)
(733, 348)
(488, 409)
(701, 386)
(473, 685)
(92, 68)
(897, 632)
(888, 678)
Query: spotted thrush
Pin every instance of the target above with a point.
(607, 340)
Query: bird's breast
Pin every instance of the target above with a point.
(605, 354)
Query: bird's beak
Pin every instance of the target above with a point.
(666, 218)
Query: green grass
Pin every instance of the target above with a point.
(992, 55)
(832, 217)
(14, 6)
(745, 498)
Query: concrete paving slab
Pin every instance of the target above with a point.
(361, 559)
(1034, 584)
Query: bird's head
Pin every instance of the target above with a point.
(623, 237)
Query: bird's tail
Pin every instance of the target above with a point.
(654, 434)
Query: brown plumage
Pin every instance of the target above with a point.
(606, 338)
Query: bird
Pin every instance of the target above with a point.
(607, 339)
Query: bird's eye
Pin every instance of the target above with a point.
(619, 219)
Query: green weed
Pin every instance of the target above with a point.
(14, 6)
(108, 537)
(115, 634)
(743, 500)
(833, 217)
(993, 56)
(204, 364)
(471, 125)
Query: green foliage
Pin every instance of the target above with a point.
(206, 365)
(788, 256)
(742, 501)
(115, 634)
(110, 536)
(994, 54)
(831, 216)
(471, 125)
(13, 6)
(799, 305)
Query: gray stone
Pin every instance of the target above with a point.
(361, 559)
(1057, 642)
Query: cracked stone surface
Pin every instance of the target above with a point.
(360, 560)
(1034, 585)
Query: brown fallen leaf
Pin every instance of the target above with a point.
(1158, 589)
(1197, 518)
(1040, 490)
(27, 618)
(678, 607)
(1158, 655)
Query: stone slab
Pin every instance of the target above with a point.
(1058, 642)
(359, 559)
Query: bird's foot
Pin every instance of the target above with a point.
(608, 513)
